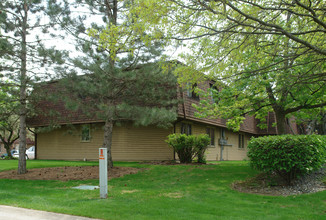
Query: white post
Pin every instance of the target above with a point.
(103, 169)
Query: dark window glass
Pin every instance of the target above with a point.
(185, 129)
(211, 134)
(223, 133)
(191, 91)
(241, 141)
(86, 133)
(213, 92)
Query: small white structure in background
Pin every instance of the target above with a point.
(30, 153)
(103, 169)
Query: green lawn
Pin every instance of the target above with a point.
(160, 192)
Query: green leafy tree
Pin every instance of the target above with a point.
(25, 53)
(9, 120)
(315, 123)
(267, 55)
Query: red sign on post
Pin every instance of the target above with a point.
(101, 155)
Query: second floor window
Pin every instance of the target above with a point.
(213, 91)
(191, 91)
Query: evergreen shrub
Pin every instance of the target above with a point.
(289, 156)
(188, 147)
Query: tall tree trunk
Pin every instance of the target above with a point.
(280, 122)
(323, 124)
(7, 147)
(279, 112)
(107, 142)
(112, 14)
(23, 82)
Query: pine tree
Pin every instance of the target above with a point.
(117, 82)
(24, 25)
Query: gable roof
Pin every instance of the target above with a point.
(50, 113)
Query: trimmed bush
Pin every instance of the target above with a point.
(188, 147)
(289, 156)
(201, 143)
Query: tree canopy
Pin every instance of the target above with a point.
(267, 55)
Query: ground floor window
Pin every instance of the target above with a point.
(241, 141)
(211, 134)
(86, 133)
(185, 129)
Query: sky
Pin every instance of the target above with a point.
(68, 42)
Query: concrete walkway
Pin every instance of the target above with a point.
(13, 213)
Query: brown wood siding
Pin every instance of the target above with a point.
(129, 144)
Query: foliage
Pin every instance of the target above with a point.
(201, 142)
(188, 147)
(288, 155)
(9, 119)
(183, 145)
(315, 123)
(266, 55)
(144, 96)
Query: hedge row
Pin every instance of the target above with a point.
(290, 156)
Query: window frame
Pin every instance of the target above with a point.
(213, 87)
(211, 133)
(185, 128)
(191, 91)
(88, 139)
(241, 144)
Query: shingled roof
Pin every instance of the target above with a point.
(55, 112)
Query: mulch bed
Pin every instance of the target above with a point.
(264, 184)
(67, 173)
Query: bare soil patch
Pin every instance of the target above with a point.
(67, 173)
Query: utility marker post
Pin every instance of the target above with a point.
(103, 169)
